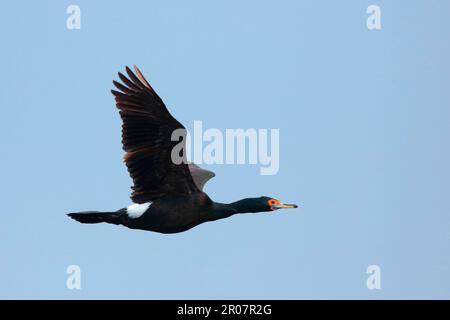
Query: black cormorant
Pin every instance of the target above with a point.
(168, 197)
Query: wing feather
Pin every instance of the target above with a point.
(147, 128)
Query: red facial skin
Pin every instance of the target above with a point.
(273, 202)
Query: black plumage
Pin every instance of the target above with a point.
(168, 197)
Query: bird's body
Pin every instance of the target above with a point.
(167, 194)
(173, 214)
(170, 214)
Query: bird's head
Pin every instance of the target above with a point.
(263, 204)
(274, 204)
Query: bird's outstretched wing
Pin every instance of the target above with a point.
(200, 176)
(146, 137)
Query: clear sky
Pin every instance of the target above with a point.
(364, 129)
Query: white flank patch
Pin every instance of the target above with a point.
(136, 210)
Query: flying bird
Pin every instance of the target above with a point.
(167, 197)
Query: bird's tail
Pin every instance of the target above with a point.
(96, 217)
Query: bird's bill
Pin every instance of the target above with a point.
(284, 206)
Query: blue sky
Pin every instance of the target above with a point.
(363, 118)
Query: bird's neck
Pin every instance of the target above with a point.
(225, 210)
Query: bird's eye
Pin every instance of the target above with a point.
(273, 202)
